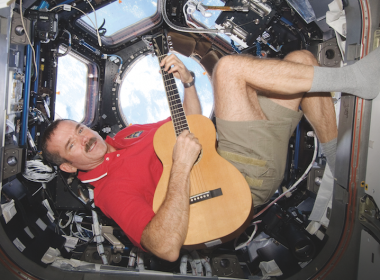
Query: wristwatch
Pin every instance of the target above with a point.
(187, 85)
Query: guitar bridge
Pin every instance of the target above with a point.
(206, 195)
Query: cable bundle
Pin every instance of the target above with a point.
(37, 171)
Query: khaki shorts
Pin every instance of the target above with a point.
(258, 149)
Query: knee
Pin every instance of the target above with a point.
(222, 69)
(303, 57)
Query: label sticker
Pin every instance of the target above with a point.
(28, 232)
(41, 224)
(19, 244)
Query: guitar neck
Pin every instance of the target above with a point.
(175, 105)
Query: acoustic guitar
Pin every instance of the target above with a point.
(220, 198)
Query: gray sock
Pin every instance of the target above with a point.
(329, 150)
(361, 78)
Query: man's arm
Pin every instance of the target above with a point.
(191, 103)
(166, 232)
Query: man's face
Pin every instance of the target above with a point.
(81, 146)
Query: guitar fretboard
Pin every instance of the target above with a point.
(174, 100)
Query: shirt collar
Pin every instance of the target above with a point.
(100, 171)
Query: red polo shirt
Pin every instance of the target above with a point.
(126, 180)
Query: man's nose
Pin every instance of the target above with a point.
(84, 140)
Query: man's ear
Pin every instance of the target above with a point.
(67, 167)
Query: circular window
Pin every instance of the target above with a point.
(142, 94)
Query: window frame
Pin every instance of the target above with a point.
(128, 33)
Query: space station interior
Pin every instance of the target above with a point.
(316, 226)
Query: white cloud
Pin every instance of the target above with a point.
(61, 110)
(72, 85)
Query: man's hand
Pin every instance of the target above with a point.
(186, 151)
(179, 70)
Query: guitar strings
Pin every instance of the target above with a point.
(174, 102)
(180, 121)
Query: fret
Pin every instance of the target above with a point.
(181, 121)
(176, 111)
(174, 98)
(171, 86)
(179, 114)
(175, 104)
(172, 90)
(180, 128)
(175, 107)
(169, 77)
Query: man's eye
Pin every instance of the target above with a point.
(80, 130)
(71, 145)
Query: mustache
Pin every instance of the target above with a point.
(90, 143)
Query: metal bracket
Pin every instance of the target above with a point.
(234, 31)
(18, 34)
(258, 7)
(107, 232)
(329, 54)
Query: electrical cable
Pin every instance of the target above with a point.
(37, 190)
(30, 43)
(80, 229)
(93, 24)
(117, 77)
(75, 234)
(297, 182)
(238, 247)
(115, 55)
(70, 216)
(68, 49)
(37, 171)
(96, 22)
(64, 5)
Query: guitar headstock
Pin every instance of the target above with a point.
(161, 45)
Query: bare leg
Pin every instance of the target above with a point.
(234, 99)
(319, 111)
(317, 107)
(234, 73)
(236, 78)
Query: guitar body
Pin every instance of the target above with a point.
(222, 217)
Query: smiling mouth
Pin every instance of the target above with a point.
(91, 145)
